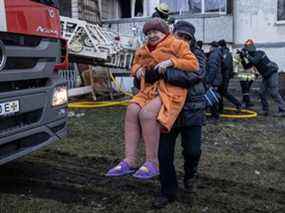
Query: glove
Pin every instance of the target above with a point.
(151, 76)
(140, 73)
(241, 53)
(163, 65)
(244, 53)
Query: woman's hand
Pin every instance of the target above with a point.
(140, 73)
(162, 66)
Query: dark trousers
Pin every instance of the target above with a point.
(245, 89)
(223, 90)
(270, 86)
(191, 143)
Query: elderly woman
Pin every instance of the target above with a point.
(158, 104)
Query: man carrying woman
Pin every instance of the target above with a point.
(158, 104)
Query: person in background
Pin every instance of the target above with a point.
(246, 77)
(162, 11)
(269, 73)
(228, 74)
(214, 77)
(158, 104)
(199, 45)
(189, 123)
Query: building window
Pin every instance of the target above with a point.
(131, 8)
(207, 6)
(126, 9)
(139, 8)
(281, 11)
(65, 8)
(195, 6)
(215, 6)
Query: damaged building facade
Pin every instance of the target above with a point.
(232, 20)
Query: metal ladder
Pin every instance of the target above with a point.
(96, 45)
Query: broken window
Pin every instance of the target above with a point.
(281, 10)
(65, 8)
(125, 6)
(131, 8)
(139, 8)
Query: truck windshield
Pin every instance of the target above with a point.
(52, 3)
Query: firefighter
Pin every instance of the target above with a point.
(189, 124)
(162, 11)
(270, 78)
(246, 77)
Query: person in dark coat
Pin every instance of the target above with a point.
(199, 45)
(269, 72)
(227, 73)
(214, 77)
(189, 124)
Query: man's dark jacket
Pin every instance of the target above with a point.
(193, 113)
(227, 65)
(261, 62)
(214, 67)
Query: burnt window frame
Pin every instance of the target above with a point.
(278, 20)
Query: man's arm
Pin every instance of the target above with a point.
(185, 79)
(257, 58)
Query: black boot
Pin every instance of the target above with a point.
(264, 113)
(248, 103)
(190, 185)
(162, 201)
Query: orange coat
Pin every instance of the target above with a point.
(172, 97)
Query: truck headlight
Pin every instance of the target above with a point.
(59, 96)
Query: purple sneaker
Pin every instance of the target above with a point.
(121, 169)
(147, 171)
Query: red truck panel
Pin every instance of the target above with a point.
(32, 18)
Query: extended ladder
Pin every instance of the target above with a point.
(92, 44)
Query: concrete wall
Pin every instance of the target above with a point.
(208, 28)
(256, 19)
(74, 9)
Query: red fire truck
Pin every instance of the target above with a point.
(33, 100)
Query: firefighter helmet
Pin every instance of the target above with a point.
(249, 45)
(248, 42)
(163, 8)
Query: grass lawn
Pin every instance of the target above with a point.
(242, 170)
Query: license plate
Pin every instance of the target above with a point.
(9, 107)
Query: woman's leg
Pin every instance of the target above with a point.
(132, 133)
(151, 129)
